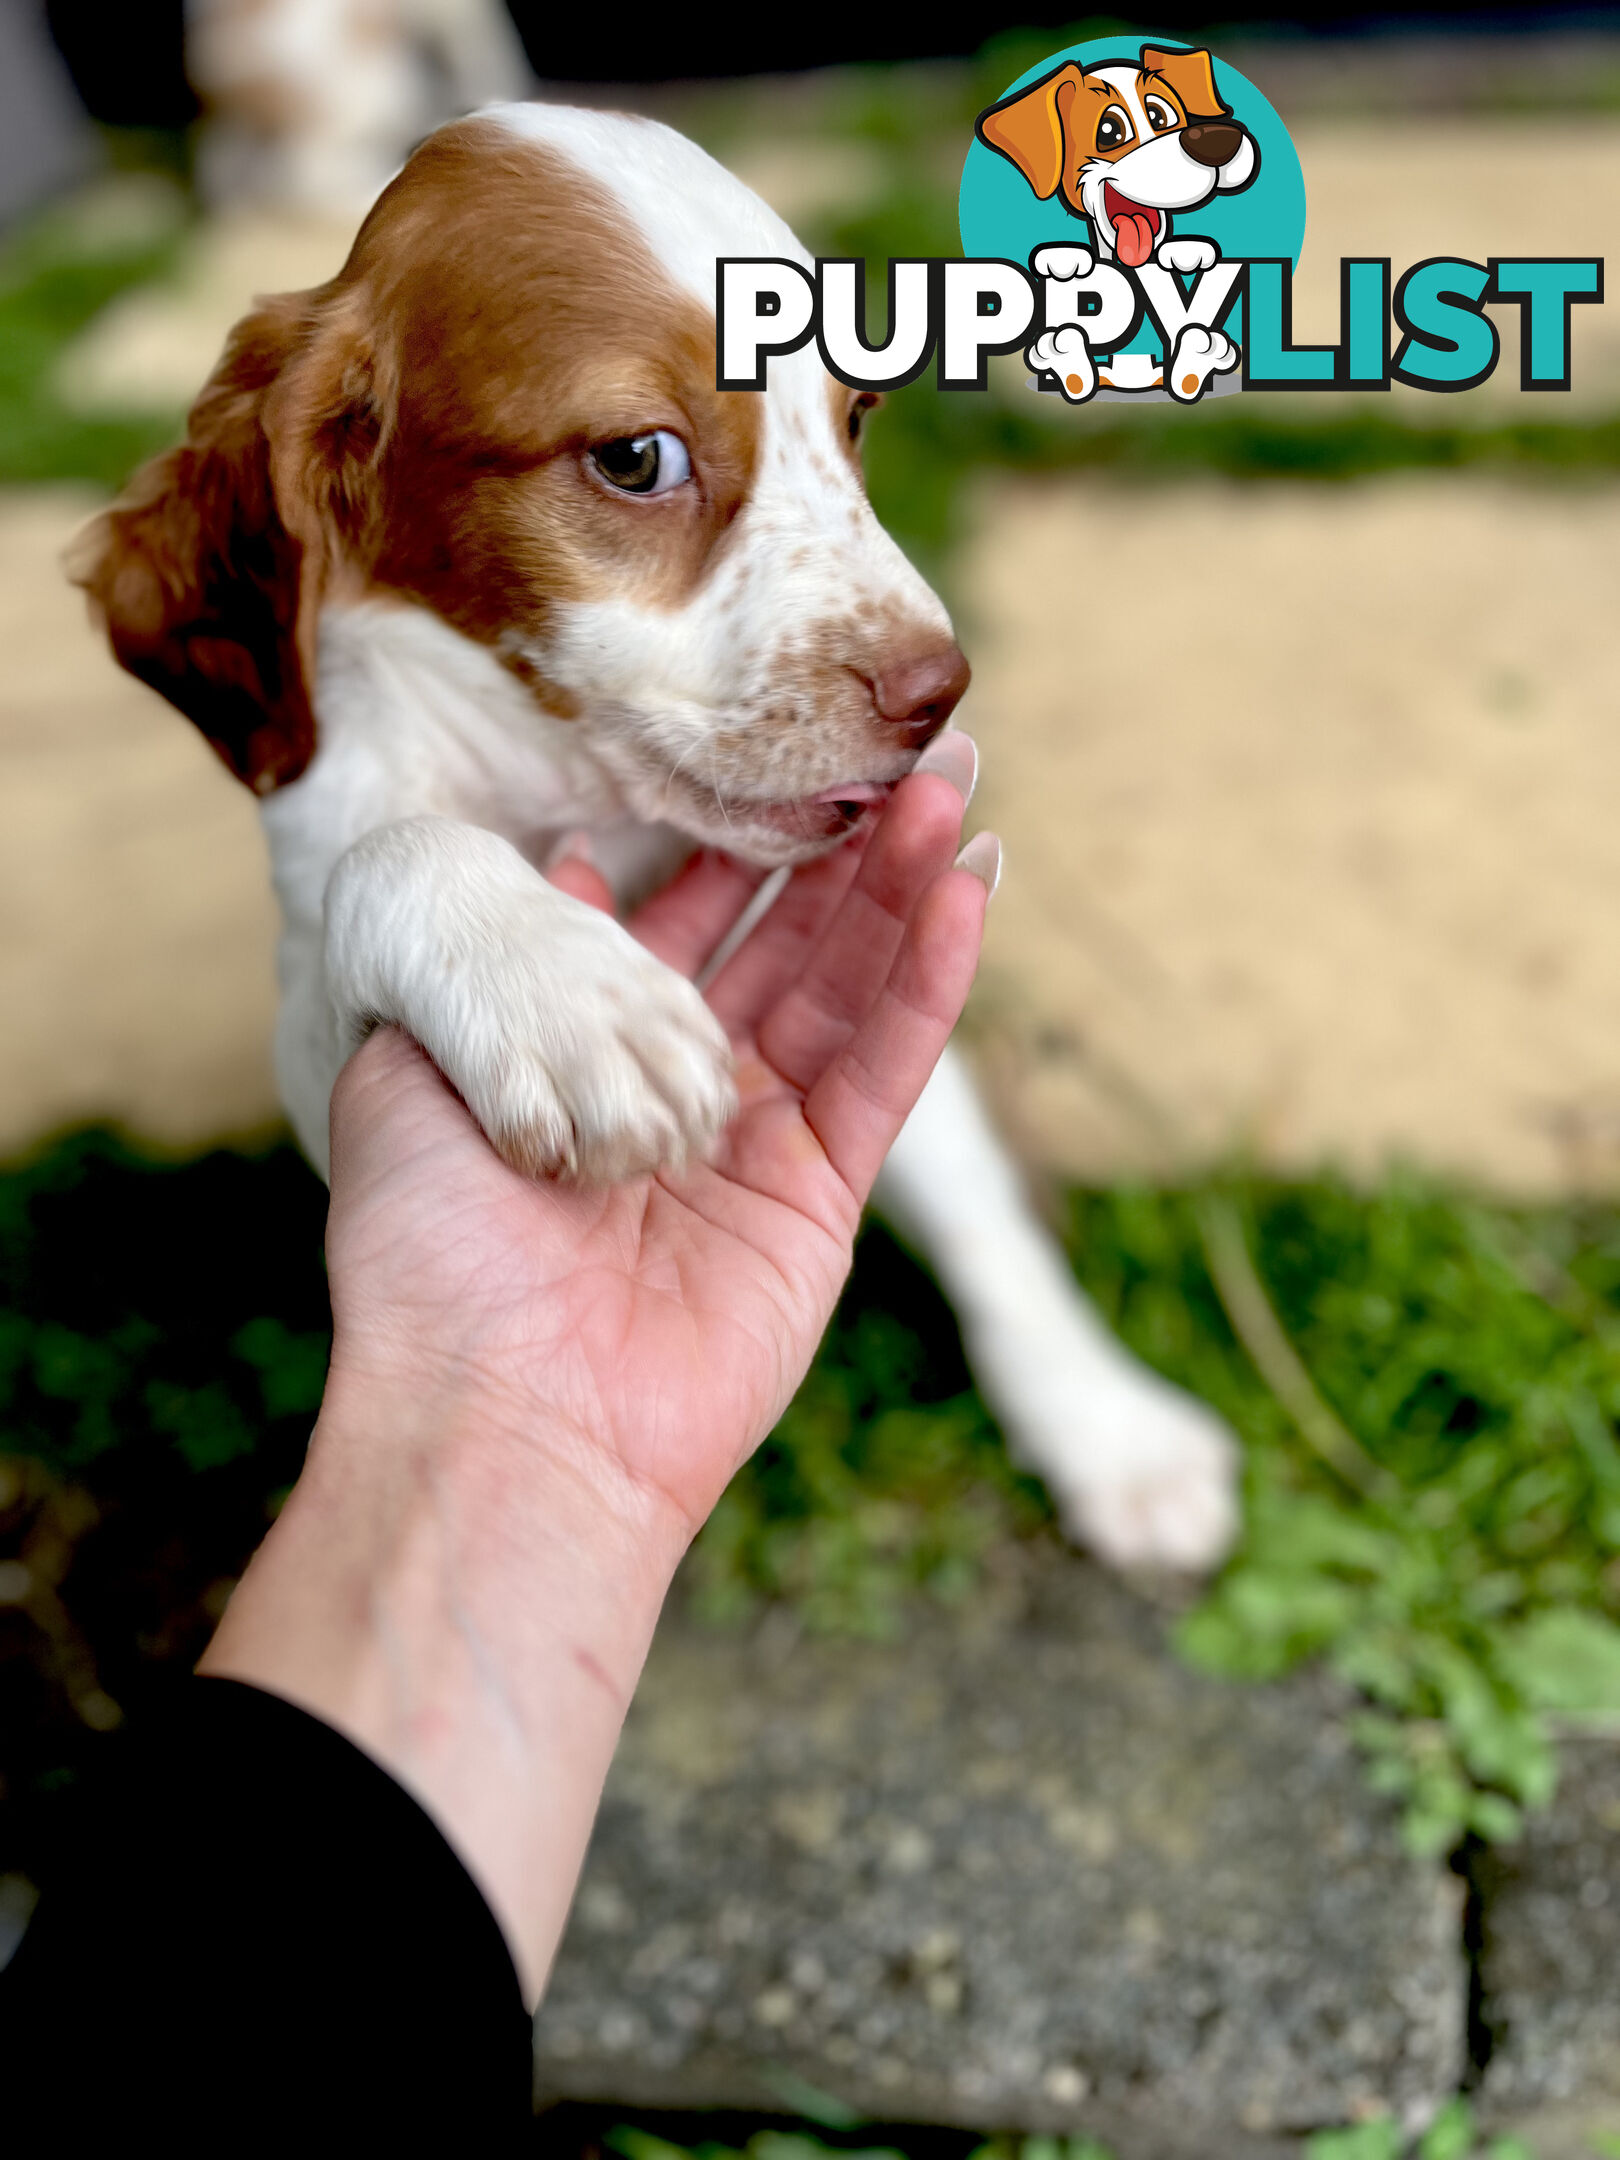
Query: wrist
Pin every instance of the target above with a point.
(468, 1593)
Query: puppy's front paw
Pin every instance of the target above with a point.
(1140, 1474)
(600, 1074)
(578, 1053)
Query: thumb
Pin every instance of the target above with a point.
(572, 869)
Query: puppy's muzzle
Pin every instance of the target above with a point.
(917, 695)
(1212, 142)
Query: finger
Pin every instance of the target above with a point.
(776, 951)
(572, 871)
(914, 843)
(858, 1105)
(684, 923)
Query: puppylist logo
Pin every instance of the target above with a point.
(1132, 213)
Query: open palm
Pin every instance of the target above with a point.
(660, 1326)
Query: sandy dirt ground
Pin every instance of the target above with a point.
(136, 925)
(1307, 793)
(1308, 797)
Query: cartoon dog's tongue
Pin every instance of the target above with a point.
(1134, 228)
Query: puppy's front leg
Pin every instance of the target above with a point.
(578, 1053)
(1138, 1471)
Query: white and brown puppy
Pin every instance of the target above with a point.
(463, 552)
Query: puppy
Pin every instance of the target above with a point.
(1125, 144)
(309, 105)
(463, 552)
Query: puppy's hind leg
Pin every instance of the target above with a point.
(1139, 1471)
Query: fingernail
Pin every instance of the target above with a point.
(574, 846)
(982, 856)
(955, 757)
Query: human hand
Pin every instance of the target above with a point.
(538, 1391)
(665, 1322)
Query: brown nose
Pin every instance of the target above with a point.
(919, 693)
(1212, 142)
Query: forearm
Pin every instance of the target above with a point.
(470, 1602)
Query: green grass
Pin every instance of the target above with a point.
(633, 2143)
(1438, 1519)
(56, 274)
(1453, 2135)
(1432, 1486)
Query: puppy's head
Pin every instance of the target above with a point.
(503, 410)
(1124, 143)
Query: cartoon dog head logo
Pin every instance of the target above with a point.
(1125, 144)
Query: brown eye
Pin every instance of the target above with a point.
(1113, 129)
(648, 464)
(859, 410)
(1160, 116)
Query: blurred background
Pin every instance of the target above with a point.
(1298, 719)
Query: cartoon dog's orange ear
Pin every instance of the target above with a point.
(1191, 76)
(1027, 128)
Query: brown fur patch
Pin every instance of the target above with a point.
(201, 585)
(422, 426)
(512, 361)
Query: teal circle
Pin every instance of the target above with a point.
(1000, 213)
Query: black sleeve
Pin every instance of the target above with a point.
(261, 1938)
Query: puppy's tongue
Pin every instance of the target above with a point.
(1133, 236)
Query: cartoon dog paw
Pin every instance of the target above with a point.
(1187, 256)
(1199, 354)
(1062, 263)
(1065, 354)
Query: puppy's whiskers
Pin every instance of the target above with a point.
(675, 770)
(719, 791)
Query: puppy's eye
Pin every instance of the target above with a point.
(859, 410)
(1114, 130)
(649, 464)
(1159, 115)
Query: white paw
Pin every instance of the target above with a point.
(607, 1069)
(1199, 354)
(578, 1053)
(1065, 354)
(1141, 1474)
(1187, 256)
(1062, 263)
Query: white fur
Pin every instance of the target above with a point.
(1065, 353)
(1139, 1471)
(1189, 256)
(1159, 173)
(1199, 354)
(408, 855)
(570, 1044)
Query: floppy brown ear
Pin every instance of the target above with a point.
(1028, 128)
(1191, 75)
(206, 574)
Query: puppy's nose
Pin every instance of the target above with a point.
(1211, 142)
(919, 694)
